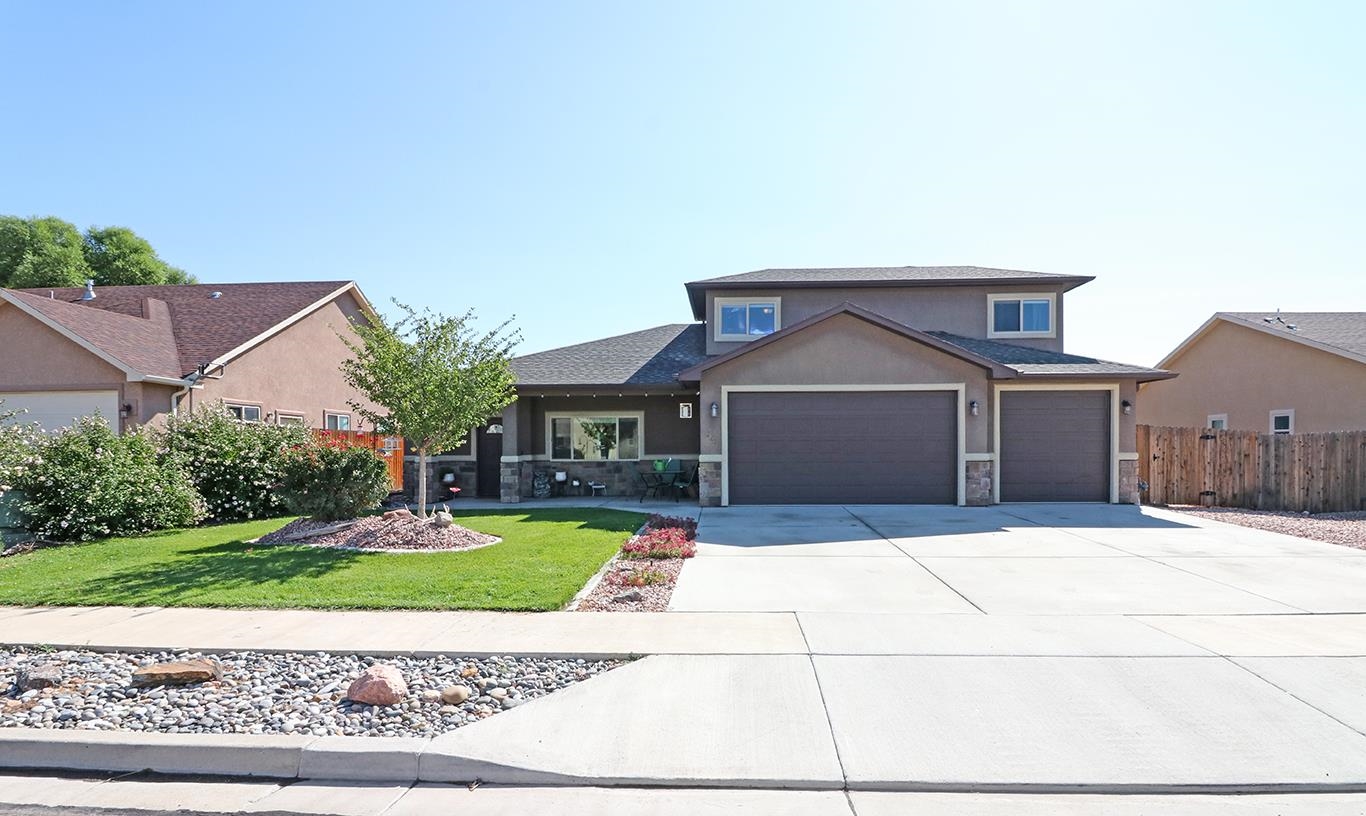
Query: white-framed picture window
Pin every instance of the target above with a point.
(1283, 421)
(290, 418)
(1217, 422)
(244, 412)
(594, 437)
(336, 421)
(1027, 315)
(747, 318)
(685, 410)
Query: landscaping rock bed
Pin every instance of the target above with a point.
(394, 531)
(642, 576)
(1347, 529)
(273, 693)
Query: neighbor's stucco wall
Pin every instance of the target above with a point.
(1247, 374)
(295, 371)
(845, 350)
(957, 309)
(37, 358)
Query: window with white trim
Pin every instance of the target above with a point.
(747, 318)
(244, 413)
(593, 437)
(1217, 422)
(1283, 421)
(336, 421)
(288, 418)
(1021, 315)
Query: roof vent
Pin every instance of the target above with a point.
(215, 295)
(89, 290)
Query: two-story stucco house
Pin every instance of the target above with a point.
(870, 385)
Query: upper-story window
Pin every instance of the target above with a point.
(747, 318)
(1021, 315)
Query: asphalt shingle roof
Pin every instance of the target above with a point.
(144, 345)
(1041, 362)
(1343, 330)
(204, 328)
(649, 357)
(881, 274)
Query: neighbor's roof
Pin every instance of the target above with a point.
(1034, 362)
(203, 330)
(880, 276)
(1340, 333)
(652, 357)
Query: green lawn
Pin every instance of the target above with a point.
(545, 557)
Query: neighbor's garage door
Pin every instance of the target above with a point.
(58, 409)
(1055, 446)
(866, 447)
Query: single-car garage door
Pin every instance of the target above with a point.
(58, 409)
(1055, 446)
(863, 447)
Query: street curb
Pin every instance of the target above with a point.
(407, 761)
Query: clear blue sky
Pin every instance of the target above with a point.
(575, 163)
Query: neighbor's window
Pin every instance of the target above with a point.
(289, 419)
(337, 422)
(245, 413)
(594, 437)
(746, 318)
(1283, 422)
(1025, 315)
(1217, 422)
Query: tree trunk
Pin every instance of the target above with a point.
(422, 482)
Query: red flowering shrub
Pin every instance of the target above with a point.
(660, 522)
(669, 542)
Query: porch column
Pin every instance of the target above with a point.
(510, 467)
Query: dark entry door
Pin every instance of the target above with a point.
(489, 455)
(1055, 446)
(855, 447)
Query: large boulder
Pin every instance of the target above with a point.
(178, 673)
(379, 685)
(46, 675)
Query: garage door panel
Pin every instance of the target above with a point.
(842, 447)
(1055, 446)
(58, 409)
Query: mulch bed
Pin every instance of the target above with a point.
(403, 533)
(1346, 529)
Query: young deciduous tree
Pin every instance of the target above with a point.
(434, 375)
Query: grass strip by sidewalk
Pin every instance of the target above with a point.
(545, 557)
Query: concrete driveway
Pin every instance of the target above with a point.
(1043, 559)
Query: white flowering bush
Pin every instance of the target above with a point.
(17, 452)
(85, 482)
(236, 466)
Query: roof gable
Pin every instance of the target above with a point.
(141, 347)
(1340, 333)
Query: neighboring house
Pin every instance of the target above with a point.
(873, 385)
(135, 354)
(1270, 372)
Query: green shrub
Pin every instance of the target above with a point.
(330, 483)
(85, 482)
(236, 466)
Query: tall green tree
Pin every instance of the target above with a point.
(434, 375)
(120, 257)
(42, 252)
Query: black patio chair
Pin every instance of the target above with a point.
(652, 482)
(682, 486)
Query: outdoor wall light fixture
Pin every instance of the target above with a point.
(715, 410)
(1126, 406)
(972, 407)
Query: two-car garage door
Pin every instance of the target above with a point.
(58, 409)
(845, 447)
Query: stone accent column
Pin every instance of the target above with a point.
(1128, 482)
(980, 475)
(709, 484)
(510, 482)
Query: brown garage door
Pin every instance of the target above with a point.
(866, 447)
(1055, 446)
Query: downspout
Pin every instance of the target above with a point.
(175, 398)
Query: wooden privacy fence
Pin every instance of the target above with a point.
(388, 448)
(1318, 472)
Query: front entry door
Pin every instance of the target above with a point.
(489, 456)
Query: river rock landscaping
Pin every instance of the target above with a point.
(396, 530)
(263, 693)
(1347, 529)
(641, 578)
